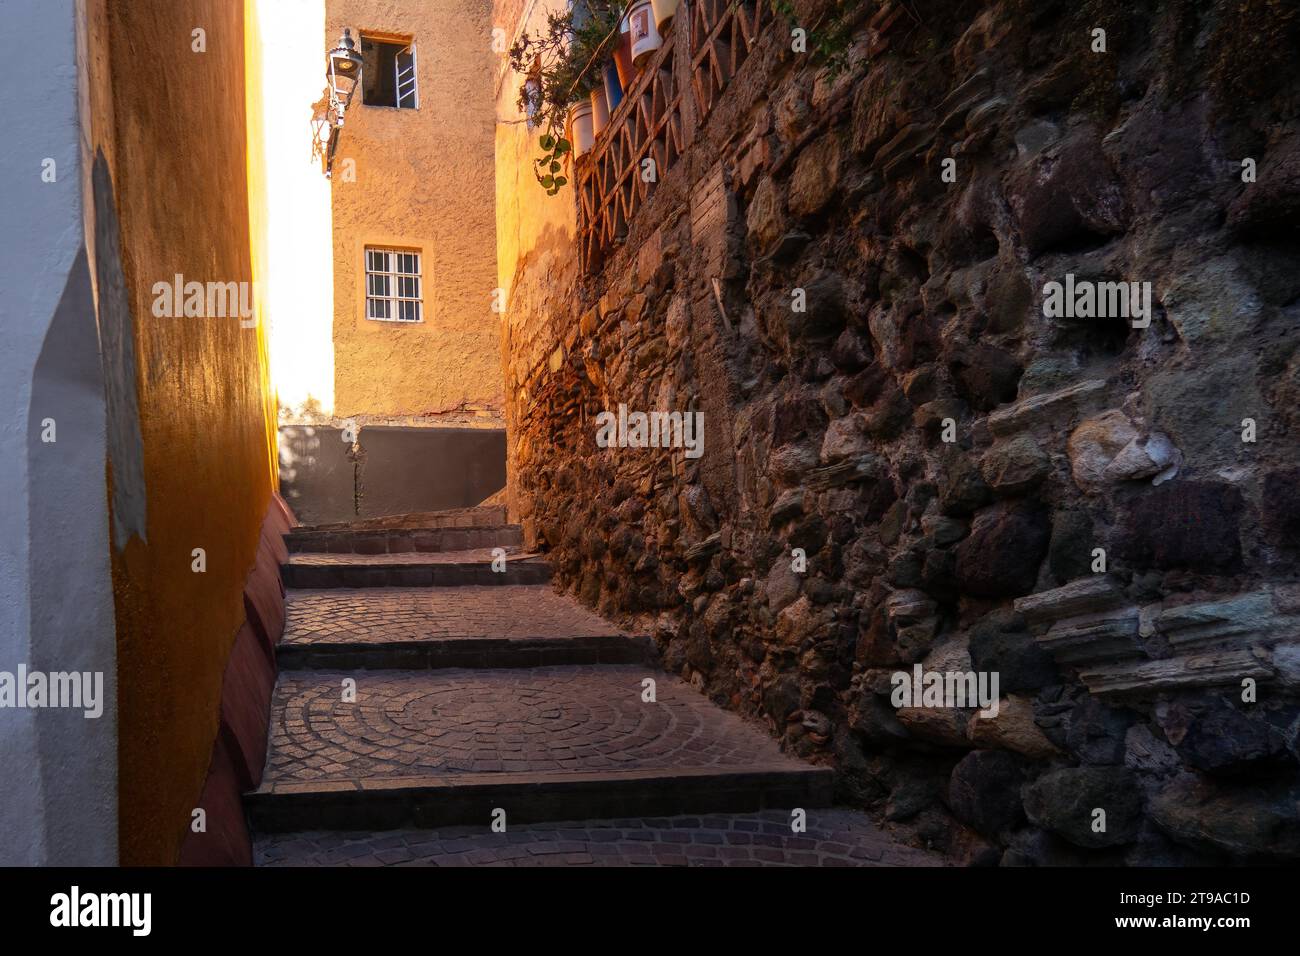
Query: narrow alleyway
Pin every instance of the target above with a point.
(481, 691)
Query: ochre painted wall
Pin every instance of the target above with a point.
(531, 226)
(424, 178)
(171, 123)
(537, 252)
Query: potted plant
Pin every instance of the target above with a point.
(562, 65)
(623, 55)
(645, 35)
(599, 108)
(581, 129)
(665, 10)
(613, 87)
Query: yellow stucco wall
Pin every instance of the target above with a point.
(424, 178)
(532, 227)
(180, 181)
(537, 255)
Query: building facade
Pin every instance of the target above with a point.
(415, 332)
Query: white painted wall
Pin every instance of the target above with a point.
(299, 274)
(58, 783)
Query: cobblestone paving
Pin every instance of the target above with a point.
(382, 615)
(833, 838)
(348, 558)
(535, 720)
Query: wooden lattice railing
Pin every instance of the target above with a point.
(656, 122)
(723, 32)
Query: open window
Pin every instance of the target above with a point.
(388, 72)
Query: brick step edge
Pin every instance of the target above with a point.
(430, 802)
(478, 516)
(468, 652)
(412, 575)
(404, 541)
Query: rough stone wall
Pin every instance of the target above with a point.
(949, 456)
(424, 179)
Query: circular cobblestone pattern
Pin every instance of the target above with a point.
(538, 720)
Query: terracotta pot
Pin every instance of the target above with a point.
(665, 10)
(599, 111)
(623, 58)
(613, 88)
(580, 129)
(645, 36)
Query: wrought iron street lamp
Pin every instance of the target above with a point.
(342, 76)
(343, 71)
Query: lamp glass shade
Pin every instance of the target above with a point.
(343, 63)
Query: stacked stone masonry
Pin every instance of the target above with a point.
(1104, 514)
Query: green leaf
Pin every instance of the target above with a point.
(555, 167)
(547, 181)
(547, 141)
(563, 146)
(560, 181)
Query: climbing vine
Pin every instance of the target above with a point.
(561, 66)
(829, 41)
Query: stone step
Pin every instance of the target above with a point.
(443, 748)
(481, 516)
(402, 540)
(421, 628)
(417, 569)
(836, 837)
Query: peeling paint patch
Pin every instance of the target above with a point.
(117, 348)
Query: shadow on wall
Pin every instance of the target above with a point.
(388, 470)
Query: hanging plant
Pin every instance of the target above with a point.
(561, 66)
(830, 39)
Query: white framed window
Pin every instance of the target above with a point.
(388, 73)
(393, 286)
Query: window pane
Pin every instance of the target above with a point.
(393, 285)
(404, 64)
